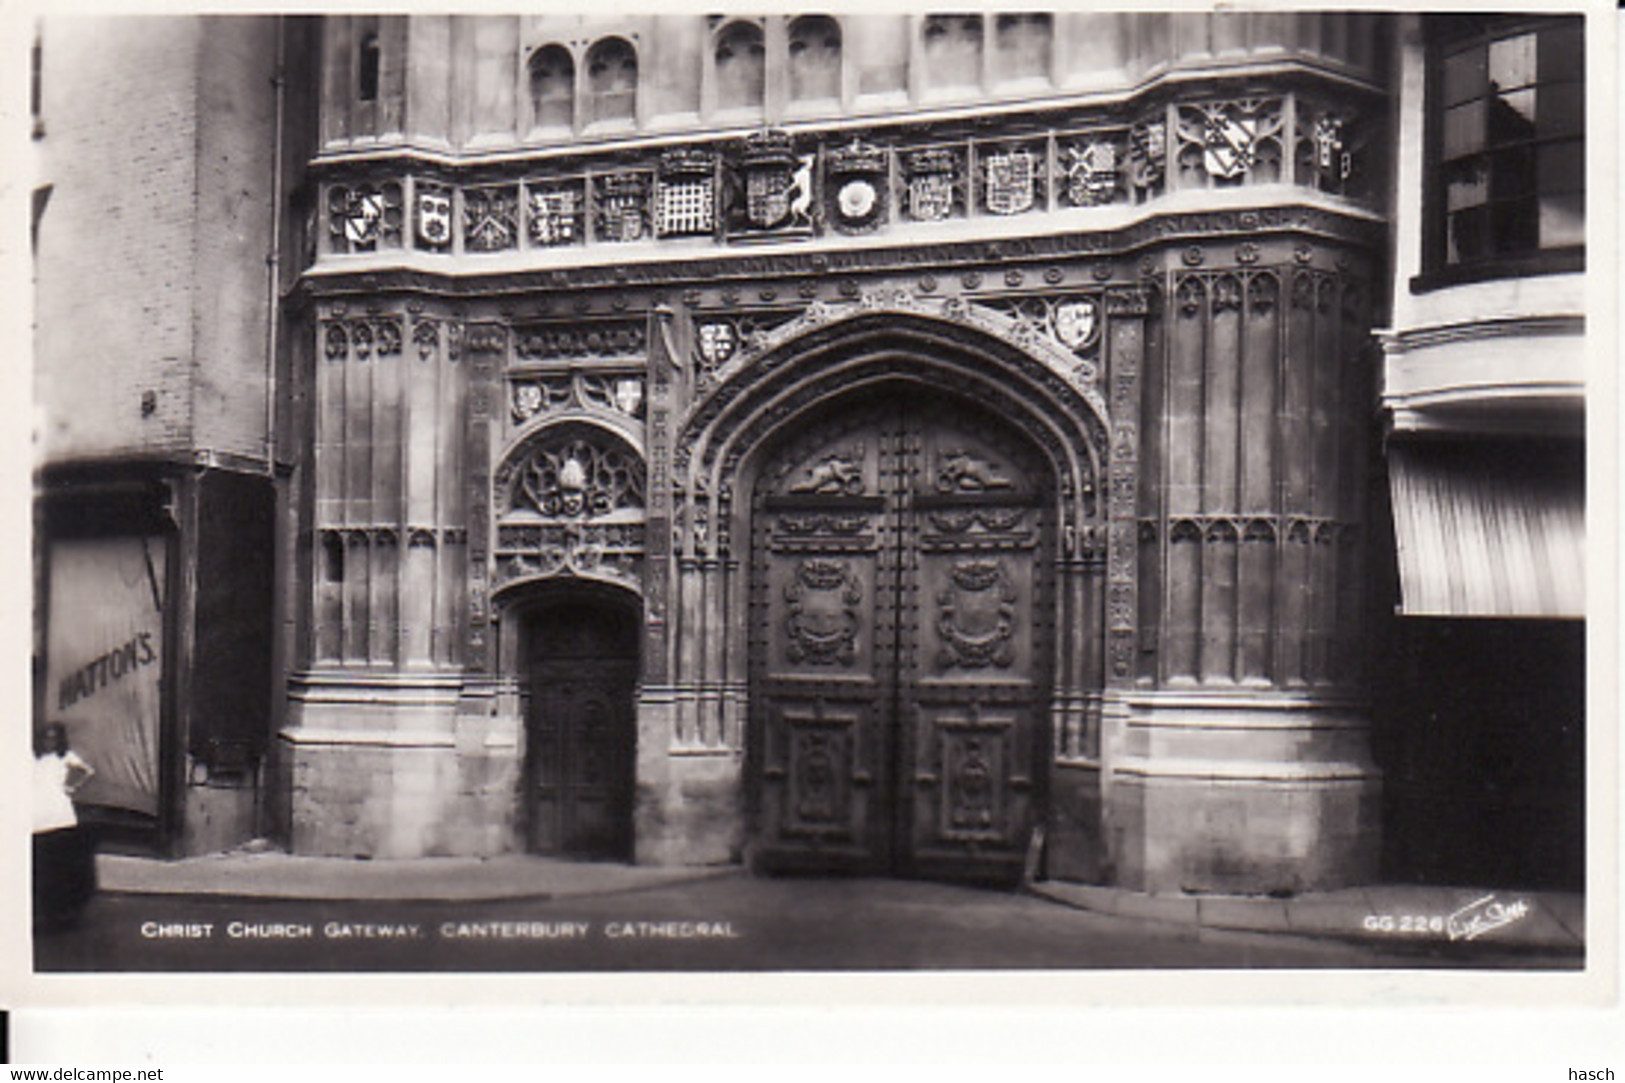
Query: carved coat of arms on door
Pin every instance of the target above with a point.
(822, 622)
(976, 616)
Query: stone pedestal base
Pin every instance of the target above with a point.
(388, 766)
(1240, 794)
(689, 808)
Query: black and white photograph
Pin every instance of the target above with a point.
(881, 491)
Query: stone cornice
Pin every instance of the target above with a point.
(1395, 342)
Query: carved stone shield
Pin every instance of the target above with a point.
(1148, 148)
(777, 184)
(1010, 182)
(1229, 145)
(1077, 322)
(1091, 174)
(1331, 154)
(628, 395)
(555, 216)
(490, 219)
(434, 217)
(933, 180)
(717, 343)
(622, 199)
(362, 217)
(930, 197)
(767, 197)
(527, 401)
(856, 187)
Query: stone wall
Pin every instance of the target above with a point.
(467, 82)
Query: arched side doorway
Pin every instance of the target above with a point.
(579, 666)
(902, 611)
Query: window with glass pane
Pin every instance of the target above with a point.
(1509, 128)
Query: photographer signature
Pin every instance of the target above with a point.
(1482, 916)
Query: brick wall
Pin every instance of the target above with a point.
(115, 245)
(236, 157)
(150, 266)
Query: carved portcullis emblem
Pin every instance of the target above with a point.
(821, 628)
(976, 616)
(856, 185)
(1011, 179)
(685, 200)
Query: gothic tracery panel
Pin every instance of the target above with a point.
(570, 502)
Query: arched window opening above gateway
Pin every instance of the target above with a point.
(1022, 47)
(741, 66)
(953, 50)
(612, 80)
(815, 58)
(552, 87)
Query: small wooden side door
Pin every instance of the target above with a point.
(581, 733)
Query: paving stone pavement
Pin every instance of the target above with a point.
(1387, 914)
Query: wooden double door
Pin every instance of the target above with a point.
(902, 625)
(581, 728)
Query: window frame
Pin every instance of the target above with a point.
(618, 48)
(1437, 271)
(531, 63)
(720, 69)
(793, 66)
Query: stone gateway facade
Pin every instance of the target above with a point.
(926, 445)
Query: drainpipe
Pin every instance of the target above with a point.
(273, 312)
(273, 258)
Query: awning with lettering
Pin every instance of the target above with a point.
(1492, 529)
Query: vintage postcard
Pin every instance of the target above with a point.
(699, 506)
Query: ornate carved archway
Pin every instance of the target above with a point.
(881, 344)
